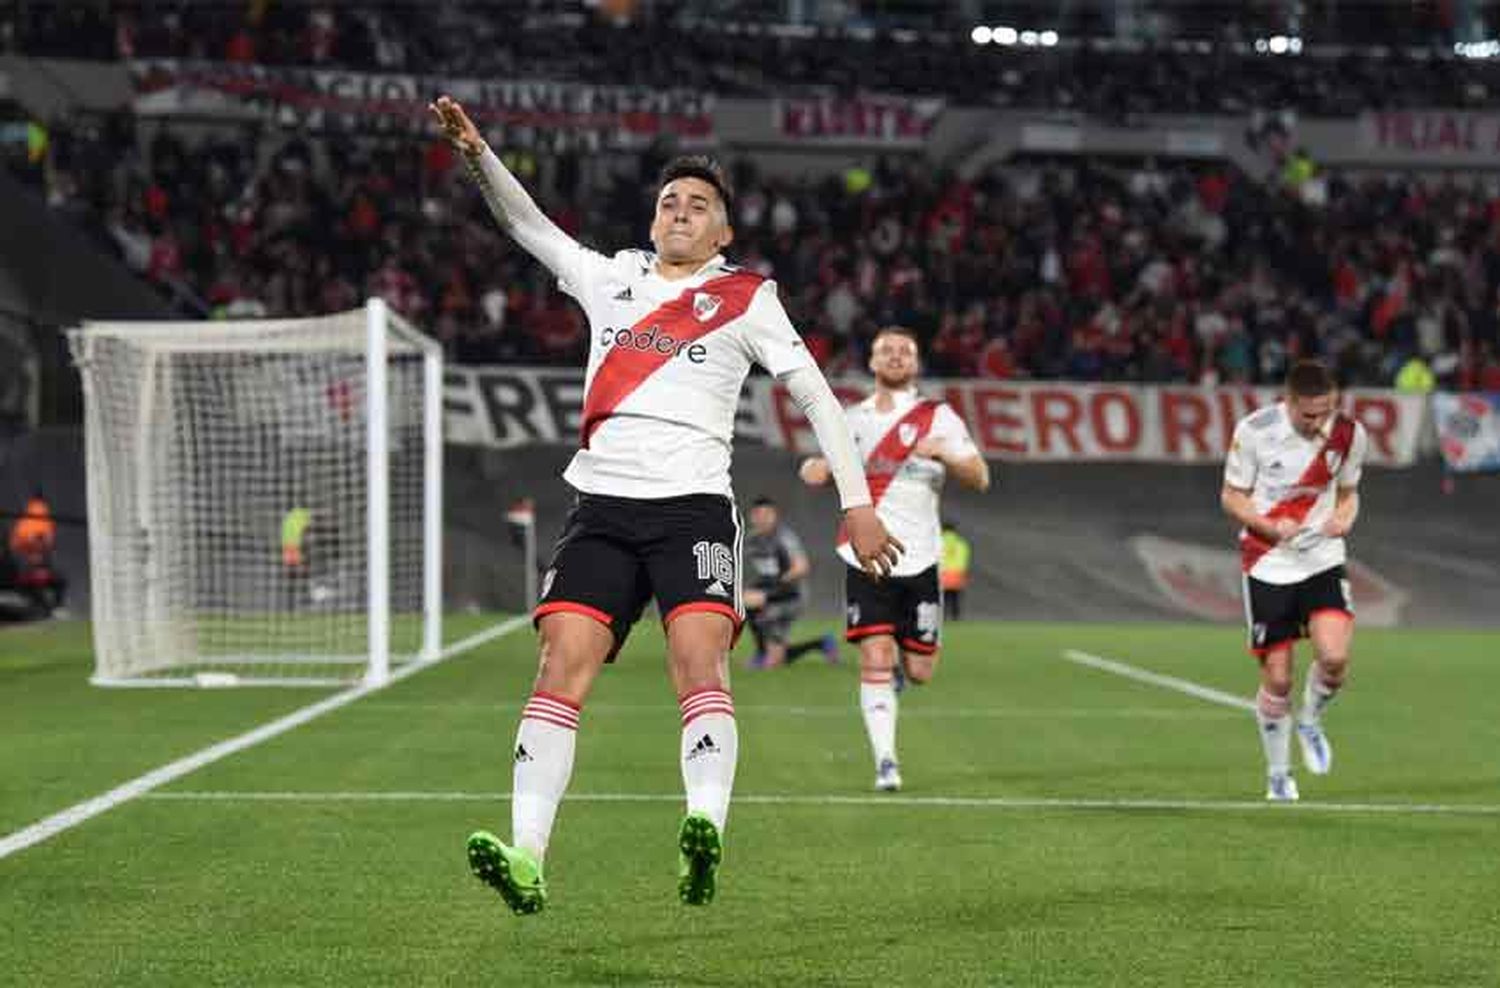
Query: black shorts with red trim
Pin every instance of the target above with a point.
(617, 553)
(1278, 612)
(908, 608)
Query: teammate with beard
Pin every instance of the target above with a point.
(910, 446)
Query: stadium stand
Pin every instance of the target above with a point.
(1088, 270)
(746, 55)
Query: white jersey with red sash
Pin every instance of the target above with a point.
(667, 360)
(1291, 476)
(906, 488)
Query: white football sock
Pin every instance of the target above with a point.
(1273, 715)
(543, 765)
(1316, 696)
(710, 748)
(877, 701)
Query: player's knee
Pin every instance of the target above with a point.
(1333, 665)
(920, 668)
(1276, 679)
(878, 653)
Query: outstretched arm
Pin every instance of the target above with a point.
(817, 402)
(876, 549)
(509, 202)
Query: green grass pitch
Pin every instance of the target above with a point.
(1053, 868)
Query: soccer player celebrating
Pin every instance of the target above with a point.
(673, 335)
(910, 445)
(1291, 481)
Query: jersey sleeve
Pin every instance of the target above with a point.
(770, 337)
(580, 270)
(949, 429)
(1354, 464)
(1240, 466)
(518, 215)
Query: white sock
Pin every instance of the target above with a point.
(710, 748)
(1316, 696)
(877, 701)
(543, 765)
(1273, 714)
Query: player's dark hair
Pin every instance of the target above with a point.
(1310, 379)
(764, 501)
(703, 167)
(894, 330)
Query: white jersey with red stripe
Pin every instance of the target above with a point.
(909, 504)
(667, 360)
(1290, 475)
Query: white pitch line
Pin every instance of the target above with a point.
(774, 799)
(1157, 679)
(846, 710)
(88, 809)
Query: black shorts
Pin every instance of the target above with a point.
(1278, 612)
(909, 608)
(616, 553)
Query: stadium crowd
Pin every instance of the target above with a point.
(664, 46)
(1061, 269)
(1043, 269)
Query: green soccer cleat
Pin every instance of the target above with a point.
(699, 854)
(512, 872)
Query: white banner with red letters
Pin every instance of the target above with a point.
(1032, 421)
(886, 121)
(387, 102)
(1433, 135)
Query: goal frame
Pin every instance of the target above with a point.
(380, 324)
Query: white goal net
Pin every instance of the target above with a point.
(264, 498)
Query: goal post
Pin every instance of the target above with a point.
(264, 498)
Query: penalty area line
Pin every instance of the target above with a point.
(1157, 679)
(142, 785)
(1013, 803)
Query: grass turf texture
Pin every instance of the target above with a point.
(190, 891)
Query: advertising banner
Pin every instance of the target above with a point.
(1468, 428)
(328, 99)
(512, 406)
(886, 121)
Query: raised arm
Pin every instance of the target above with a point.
(509, 202)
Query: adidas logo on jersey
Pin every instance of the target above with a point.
(716, 589)
(625, 295)
(522, 755)
(705, 746)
